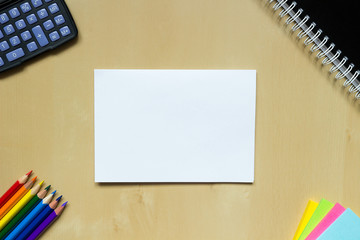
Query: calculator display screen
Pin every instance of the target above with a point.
(3, 2)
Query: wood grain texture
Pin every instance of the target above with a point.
(307, 127)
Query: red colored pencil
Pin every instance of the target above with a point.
(14, 188)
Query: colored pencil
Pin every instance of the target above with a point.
(39, 219)
(47, 222)
(30, 217)
(14, 188)
(21, 215)
(19, 205)
(16, 197)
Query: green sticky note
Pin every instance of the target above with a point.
(320, 212)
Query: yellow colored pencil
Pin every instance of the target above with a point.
(19, 205)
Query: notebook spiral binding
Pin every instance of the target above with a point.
(319, 43)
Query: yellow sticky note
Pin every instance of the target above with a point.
(309, 210)
(320, 212)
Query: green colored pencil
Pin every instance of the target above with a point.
(28, 207)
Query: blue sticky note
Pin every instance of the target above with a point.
(346, 227)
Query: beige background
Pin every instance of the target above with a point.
(307, 127)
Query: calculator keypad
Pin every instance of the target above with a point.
(48, 25)
(29, 27)
(13, 55)
(40, 36)
(25, 7)
(59, 19)
(32, 46)
(54, 8)
(15, 41)
(20, 24)
(36, 3)
(4, 46)
(14, 13)
(9, 29)
(31, 19)
(4, 18)
(54, 36)
(25, 36)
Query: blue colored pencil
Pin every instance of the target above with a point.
(39, 219)
(31, 216)
(47, 222)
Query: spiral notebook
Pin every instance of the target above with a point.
(330, 28)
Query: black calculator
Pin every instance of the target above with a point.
(31, 27)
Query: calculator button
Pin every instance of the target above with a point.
(26, 36)
(54, 8)
(14, 13)
(40, 36)
(20, 24)
(1, 62)
(36, 3)
(15, 41)
(59, 19)
(42, 13)
(25, 7)
(4, 18)
(65, 31)
(48, 0)
(31, 19)
(1, 34)
(54, 36)
(4, 46)
(32, 46)
(18, 53)
(9, 29)
(48, 25)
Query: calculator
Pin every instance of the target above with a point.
(31, 27)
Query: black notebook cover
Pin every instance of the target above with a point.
(340, 21)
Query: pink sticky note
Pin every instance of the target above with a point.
(332, 215)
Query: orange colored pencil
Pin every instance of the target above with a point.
(14, 188)
(16, 197)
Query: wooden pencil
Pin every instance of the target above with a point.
(14, 188)
(39, 219)
(30, 217)
(19, 205)
(16, 197)
(21, 215)
(47, 222)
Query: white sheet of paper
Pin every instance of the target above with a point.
(174, 125)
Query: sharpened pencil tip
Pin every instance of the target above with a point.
(29, 173)
(48, 187)
(33, 180)
(58, 199)
(41, 183)
(64, 204)
(53, 192)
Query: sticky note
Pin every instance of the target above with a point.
(320, 212)
(331, 217)
(309, 210)
(345, 227)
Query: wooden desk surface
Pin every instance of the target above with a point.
(307, 127)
